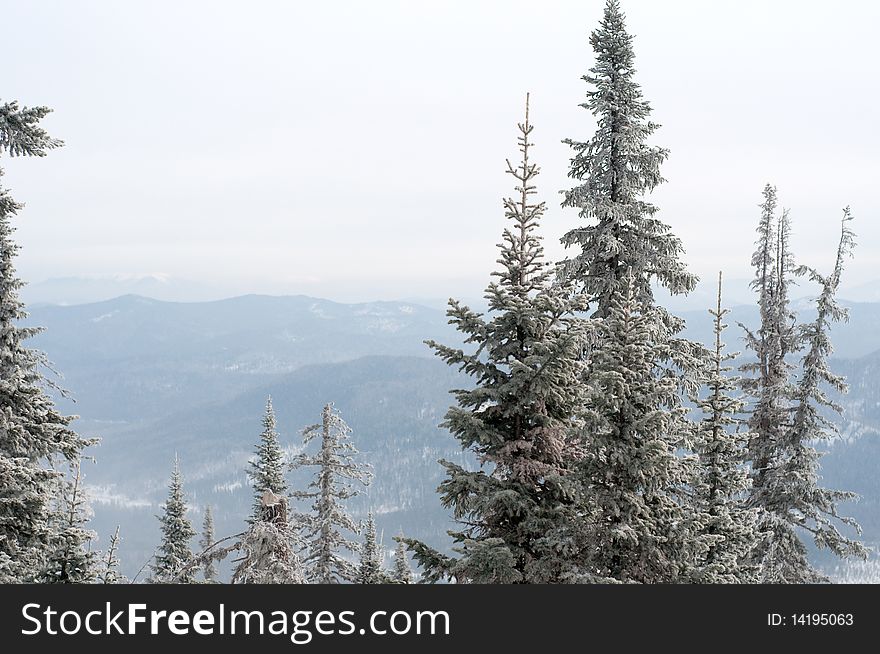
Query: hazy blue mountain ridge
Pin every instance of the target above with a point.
(156, 378)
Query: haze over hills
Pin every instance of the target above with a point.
(160, 286)
(97, 288)
(155, 378)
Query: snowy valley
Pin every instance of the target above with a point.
(153, 378)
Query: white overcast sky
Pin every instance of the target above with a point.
(355, 150)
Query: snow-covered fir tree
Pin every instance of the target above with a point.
(767, 379)
(793, 499)
(266, 470)
(71, 559)
(108, 572)
(402, 573)
(174, 555)
(811, 507)
(335, 481)
(517, 418)
(779, 556)
(790, 408)
(209, 569)
(34, 435)
(370, 569)
(725, 530)
(622, 238)
(638, 366)
(634, 520)
(269, 547)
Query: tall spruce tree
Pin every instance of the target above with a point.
(632, 478)
(768, 374)
(326, 526)
(267, 469)
(623, 239)
(174, 555)
(635, 520)
(779, 556)
(209, 569)
(370, 569)
(725, 529)
(71, 559)
(517, 418)
(34, 435)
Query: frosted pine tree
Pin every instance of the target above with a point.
(789, 410)
(526, 367)
(632, 478)
(70, 557)
(177, 531)
(614, 170)
(267, 469)
(269, 547)
(370, 569)
(402, 573)
(793, 496)
(780, 556)
(207, 540)
(337, 474)
(725, 530)
(109, 568)
(634, 520)
(34, 435)
(768, 375)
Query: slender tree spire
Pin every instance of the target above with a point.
(767, 376)
(109, 573)
(725, 530)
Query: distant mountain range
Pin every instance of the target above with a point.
(160, 286)
(97, 288)
(155, 378)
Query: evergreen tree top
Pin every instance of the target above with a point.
(266, 469)
(614, 171)
(402, 573)
(177, 531)
(522, 256)
(370, 569)
(109, 572)
(70, 557)
(336, 480)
